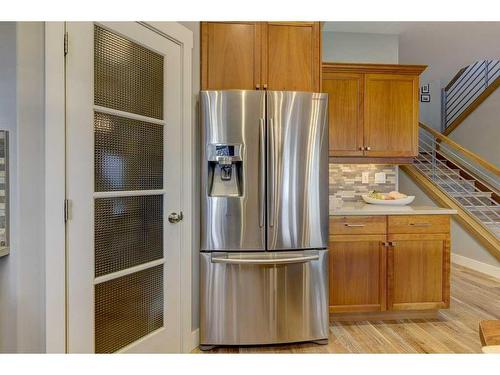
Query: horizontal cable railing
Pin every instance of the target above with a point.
(435, 153)
(466, 88)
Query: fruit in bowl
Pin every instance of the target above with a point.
(393, 195)
(394, 198)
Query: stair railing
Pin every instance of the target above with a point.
(464, 88)
(434, 149)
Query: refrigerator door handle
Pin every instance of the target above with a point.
(264, 261)
(271, 172)
(262, 186)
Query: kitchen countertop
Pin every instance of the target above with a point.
(361, 208)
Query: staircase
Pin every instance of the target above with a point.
(466, 91)
(460, 179)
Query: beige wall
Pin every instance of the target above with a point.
(462, 243)
(480, 132)
(360, 47)
(445, 47)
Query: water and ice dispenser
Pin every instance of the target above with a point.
(225, 170)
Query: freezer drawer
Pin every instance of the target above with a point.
(263, 298)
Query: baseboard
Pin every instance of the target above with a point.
(195, 338)
(475, 265)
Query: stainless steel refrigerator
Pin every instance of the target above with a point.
(264, 217)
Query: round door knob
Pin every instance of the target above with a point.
(175, 217)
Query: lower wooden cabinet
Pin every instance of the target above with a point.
(418, 271)
(389, 272)
(358, 273)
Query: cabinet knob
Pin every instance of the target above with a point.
(368, 148)
(361, 148)
(257, 86)
(265, 86)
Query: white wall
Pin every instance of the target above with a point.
(480, 131)
(360, 47)
(446, 47)
(462, 243)
(195, 312)
(22, 296)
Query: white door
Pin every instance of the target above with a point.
(123, 116)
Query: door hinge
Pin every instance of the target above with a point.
(65, 43)
(66, 210)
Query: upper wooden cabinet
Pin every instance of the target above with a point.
(373, 110)
(260, 55)
(230, 55)
(345, 110)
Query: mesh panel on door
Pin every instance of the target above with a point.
(128, 154)
(128, 308)
(128, 232)
(127, 76)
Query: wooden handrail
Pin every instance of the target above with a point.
(454, 79)
(470, 154)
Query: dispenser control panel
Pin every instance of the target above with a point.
(224, 150)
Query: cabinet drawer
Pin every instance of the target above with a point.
(419, 224)
(358, 225)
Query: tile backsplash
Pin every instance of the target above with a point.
(345, 180)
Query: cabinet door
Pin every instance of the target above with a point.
(230, 55)
(391, 115)
(418, 271)
(291, 56)
(345, 113)
(357, 273)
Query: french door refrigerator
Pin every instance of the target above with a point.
(264, 211)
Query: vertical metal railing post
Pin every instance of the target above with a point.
(433, 158)
(486, 74)
(443, 109)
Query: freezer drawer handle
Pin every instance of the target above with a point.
(303, 259)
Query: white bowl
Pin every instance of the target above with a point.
(393, 202)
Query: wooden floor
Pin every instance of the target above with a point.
(474, 297)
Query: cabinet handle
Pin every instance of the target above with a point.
(392, 243)
(354, 225)
(265, 86)
(421, 224)
(257, 86)
(386, 244)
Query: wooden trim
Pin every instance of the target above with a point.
(471, 223)
(419, 306)
(485, 164)
(418, 237)
(354, 308)
(357, 237)
(390, 278)
(317, 71)
(373, 68)
(382, 291)
(369, 160)
(472, 107)
(446, 272)
(383, 315)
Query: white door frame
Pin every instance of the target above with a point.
(55, 175)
